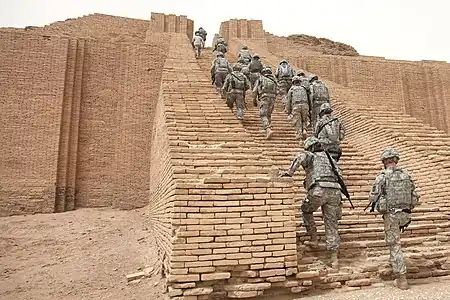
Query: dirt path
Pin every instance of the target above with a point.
(84, 254)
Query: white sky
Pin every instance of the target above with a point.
(396, 29)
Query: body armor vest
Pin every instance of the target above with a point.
(299, 95)
(320, 172)
(398, 189)
(268, 85)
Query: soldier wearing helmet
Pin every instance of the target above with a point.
(319, 95)
(197, 43)
(297, 105)
(255, 67)
(220, 44)
(323, 190)
(330, 131)
(393, 195)
(284, 76)
(202, 33)
(236, 84)
(264, 94)
(244, 56)
(219, 70)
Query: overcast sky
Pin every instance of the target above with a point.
(396, 29)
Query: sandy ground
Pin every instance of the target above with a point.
(85, 254)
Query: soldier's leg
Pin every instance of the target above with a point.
(231, 98)
(297, 122)
(270, 109)
(304, 114)
(240, 106)
(392, 235)
(263, 112)
(332, 212)
(313, 201)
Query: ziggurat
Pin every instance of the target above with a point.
(110, 111)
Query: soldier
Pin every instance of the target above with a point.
(323, 190)
(255, 67)
(219, 71)
(297, 104)
(236, 84)
(284, 76)
(319, 96)
(220, 45)
(203, 34)
(330, 131)
(197, 44)
(393, 195)
(264, 94)
(244, 56)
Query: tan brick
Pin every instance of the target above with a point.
(273, 266)
(276, 279)
(228, 191)
(225, 250)
(200, 227)
(179, 271)
(262, 254)
(225, 262)
(198, 291)
(240, 231)
(195, 264)
(274, 247)
(226, 203)
(239, 244)
(202, 270)
(175, 292)
(183, 285)
(261, 196)
(238, 220)
(214, 209)
(211, 221)
(254, 214)
(184, 278)
(200, 203)
(215, 276)
(259, 190)
(252, 202)
(238, 255)
(252, 249)
(195, 240)
(200, 216)
(251, 261)
(188, 233)
(240, 197)
(240, 208)
(184, 258)
(228, 215)
(235, 185)
(271, 273)
(213, 233)
(211, 257)
(198, 252)
(212, 245)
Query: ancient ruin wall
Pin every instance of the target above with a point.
(32, 90)
(91, 114)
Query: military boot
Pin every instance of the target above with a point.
(304, 134)
(269, 133)
(313, 242)
(401, 282)
(334, 260)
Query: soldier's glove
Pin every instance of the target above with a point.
(286, 175)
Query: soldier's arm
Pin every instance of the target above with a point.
(247, 83)
(341, 131)
(226, 84)
(301, 159)
(213, 67)
(414, 195)
(289, 102)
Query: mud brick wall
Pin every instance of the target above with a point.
(32, 79)
(143, 69)
(242, 29)
(120, 87)
(100, 27)
(416, 88)
(162, 186)
(171, 24)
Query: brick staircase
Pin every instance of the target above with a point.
(363, 248)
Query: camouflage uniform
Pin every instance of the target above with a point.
(330, 131)
(316, 102)
(219, 71)
(220, 45)
(244, 56)
(323, 191)
(255, 67)
(284, 80)
(198, 43)
(264, 94)
(297, 104)
(202, 33)
(236, 84)
(393, 194)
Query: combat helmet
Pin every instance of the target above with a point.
(237, 67)
(244, 47)
(283, 61)
(266, 70)
(313, 77)
(296, 79)
(389, 153)
(219, 54)
(309, 142)
(256, 56)
(301, 73)
(325, 108)
(197, 33)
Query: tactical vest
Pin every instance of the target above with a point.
(221, 65)
(320, 93)
(268, 85)
(299, 95)
(320, 173)
(398, 189)
(284, 72)
(330, 127)
(237, 81)
(222, 48)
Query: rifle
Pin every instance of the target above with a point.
(340, 180)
